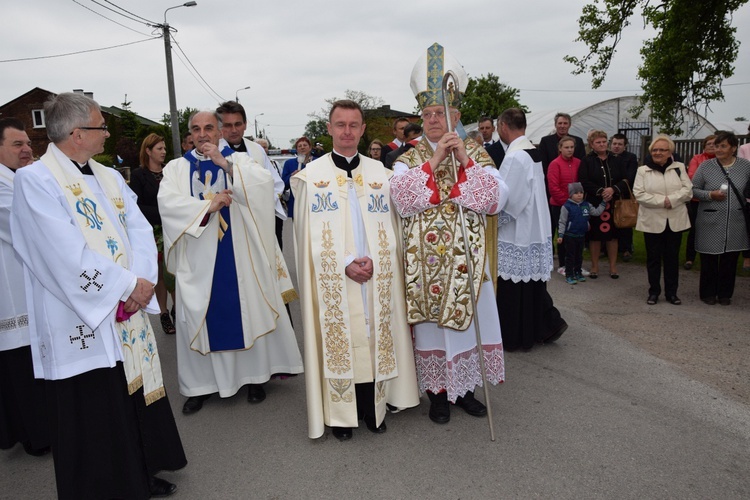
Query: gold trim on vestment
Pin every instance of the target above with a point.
(436, 271)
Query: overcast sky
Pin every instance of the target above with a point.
(295, 54)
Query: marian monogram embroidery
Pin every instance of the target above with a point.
(324, 203)
(87, 208)
(377, 204)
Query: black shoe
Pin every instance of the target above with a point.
(255, 393)
(674, 299)
(471, 406)
(440, 409)
(342, 433)
(555, 336)
(194, 404)
(377, 429)
(161, 487)
(653, 299)
(725, 301)
(627, 256)
(688, 265)
(34, 452)
(711, 301)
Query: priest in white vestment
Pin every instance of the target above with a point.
(426, 195)
(358, 350)
(524, 245)
(217, 210)
(90, 266)
(23, 417)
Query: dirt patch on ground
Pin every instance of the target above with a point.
(710, 344)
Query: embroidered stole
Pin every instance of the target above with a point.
(325, 187)
(435, 269)
(141, 359)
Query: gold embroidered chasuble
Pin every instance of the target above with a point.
(435, 265)
(350, 337)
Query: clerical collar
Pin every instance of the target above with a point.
(241, 147)
(347, 163)
(84, 168)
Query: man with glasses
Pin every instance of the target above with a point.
(436, 266)
(90, 262)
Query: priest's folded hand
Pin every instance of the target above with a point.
(360, 270)
(221, 200)
(142, 294)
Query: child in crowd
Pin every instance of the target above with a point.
(561, 172)
(572, 228)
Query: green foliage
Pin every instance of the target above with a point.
(487, 96)
(315, 129)
(683, 66)
(104, 159)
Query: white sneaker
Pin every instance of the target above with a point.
(561, 270)
(584, 272)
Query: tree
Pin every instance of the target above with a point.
(487, 96)
(683, 66)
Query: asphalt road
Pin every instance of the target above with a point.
(592, 416)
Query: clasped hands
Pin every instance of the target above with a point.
(140, 297)
(360, 270)
(450, 143)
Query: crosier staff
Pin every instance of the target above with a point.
(449, 76)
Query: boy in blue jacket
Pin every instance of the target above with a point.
(572, 228)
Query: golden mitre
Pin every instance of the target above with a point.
(427, 78)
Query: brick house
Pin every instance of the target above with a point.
(29, 108)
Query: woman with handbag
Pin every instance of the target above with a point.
(721, 225)
(604, 178)
(662, 188)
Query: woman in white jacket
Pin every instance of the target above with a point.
(662, 188)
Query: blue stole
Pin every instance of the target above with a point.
(224, 317)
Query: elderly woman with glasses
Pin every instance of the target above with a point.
(662, 188)
(720, 230)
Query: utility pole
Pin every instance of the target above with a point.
(174, 120)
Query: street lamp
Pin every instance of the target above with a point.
(236, 98)
(170, 81)
(256, 124)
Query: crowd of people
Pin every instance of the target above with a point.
(418, 265)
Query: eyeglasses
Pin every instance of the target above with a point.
(103, 128)
(433, 114)
(657, 150)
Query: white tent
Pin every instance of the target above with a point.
(612, 116)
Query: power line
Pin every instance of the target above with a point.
(194, 77)
(120, 13)
(194, 68)
(127, 11)
(108, 19)
(78, 52)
